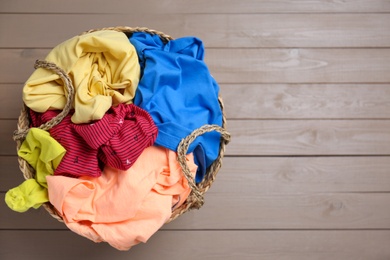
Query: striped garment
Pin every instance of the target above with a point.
(116, 140)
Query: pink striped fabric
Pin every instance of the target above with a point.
(116, 140)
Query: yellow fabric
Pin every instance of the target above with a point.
(104, 69)
(44, 154)
(27, 195)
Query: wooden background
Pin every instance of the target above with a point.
(306, 86)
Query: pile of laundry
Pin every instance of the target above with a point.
(110, 166)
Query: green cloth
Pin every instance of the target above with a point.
(27, 195)
(44, 154)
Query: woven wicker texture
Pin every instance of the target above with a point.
(196, 197)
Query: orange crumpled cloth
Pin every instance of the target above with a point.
(123, 208)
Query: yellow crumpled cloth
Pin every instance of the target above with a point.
(103, 67)
(44, 154)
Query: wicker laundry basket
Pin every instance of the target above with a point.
(195, 199)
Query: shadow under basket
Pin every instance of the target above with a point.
(195, 200)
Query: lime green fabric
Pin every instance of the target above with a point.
(27, 195)
(44, 154)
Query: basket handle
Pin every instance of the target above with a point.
(196, 196)
(22, 132)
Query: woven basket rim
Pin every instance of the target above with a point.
(195, 199)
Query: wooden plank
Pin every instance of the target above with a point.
(310, 137)
(323, 62)
(299, 65)
(255, 210)
(304, 211)
(19, 64)
(224, 245)
(200, 6)
(216, 30)
(8, 146)
(253, 65)
(306, 101)
(10, 100)
(297, 175)
(284, 137)
(288, 193)
(276, 175)
(273, 101)
(12, 176)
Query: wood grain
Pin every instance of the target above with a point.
(303, 175)
(273, 101)
(277, 175)
(273, 211)
(252, 209)
(11, 176)
(299, 65)
(11, 101)
(310, 137)
(306, 101)
(274, 193)
(223, 245)
(277, 193)
(306, 91)
(216, 30)
(199, 6)
(271, 201)
(253, 65)
(8, 146)
(284, 137)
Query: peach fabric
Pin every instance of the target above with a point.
(123, 208)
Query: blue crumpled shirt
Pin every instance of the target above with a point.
(180, 94)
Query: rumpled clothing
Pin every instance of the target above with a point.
(117, 140)
(177, 89)
(103, 67)
(27, 195)
(123, 208)
(44, 154)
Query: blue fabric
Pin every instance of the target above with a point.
(180, 94)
